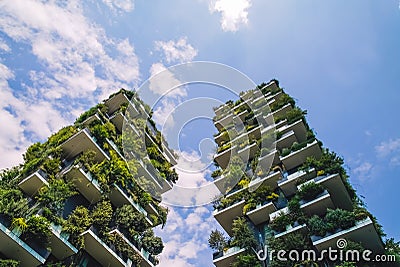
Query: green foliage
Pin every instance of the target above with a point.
(129, 219)
(310, 191)
(9, 263)
(292, 115)
(102, 132)
(216, 173)
(78, 221)
(217, 241)
(247, 260)
(38, 229)
(8, 177)
(101, 216)
(279, 223)
(242, 235)
(339, 218)
(329, 163)
(317, 226)
(117, 241)
(13, 204)
(33, 152)
(55, 194)
(90, 112)
(283, 100)
(153, 244)
(292, 241)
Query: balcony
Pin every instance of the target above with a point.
(270, 180)
(224, 121)
(14, 248)
(31, 184)
(296, 158)
(290, 229)
(226, 258)
(280, 112)
(115, 102)
(147, 259)
(317, 206)
(61, 248)
(269, 160)
(150, 172)
(288, 184)
(91, 119)
(297, 127)
(226, 216)
(169, 155)
(363, 232)
(286, 140)
(88, 186)
(223, 157)
(248, 152)
(118, 120)
(120, 196)
(261, 213)
(339, 194)
(81, 142)
(100, 251)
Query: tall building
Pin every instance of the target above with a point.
(75, 202)
(288, 191)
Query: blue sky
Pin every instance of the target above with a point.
(339, 59)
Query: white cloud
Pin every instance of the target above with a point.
(79, 66)
(386, 148)
(77, 55)
(179, 51)
(187, 240)
(4, 46)
(120, 5)
(164, 82)
(363, 171)
(233, 13)
(21, 115)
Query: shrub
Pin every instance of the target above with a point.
(242, 234)
(38, 228)
(339, 218)
(247, 260)
(279, 224)
(316, 226)
(153, 244)
(310, 191)
(9, 263)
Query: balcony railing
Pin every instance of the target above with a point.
(31, 184)
(226, 258)
(149, 260)
(13, 247)
(61, 248)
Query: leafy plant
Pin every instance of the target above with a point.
(153, 244)
(55, 194)
(78, 221)
(129, 219)
(339, 218)
(279, 223)
(9, 263)
(247, 260)
(317, 226)
(38, 228)
(242, 235)
(310, 191)
(102, 216)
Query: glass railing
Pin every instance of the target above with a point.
(21, 243)
(229, 251)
